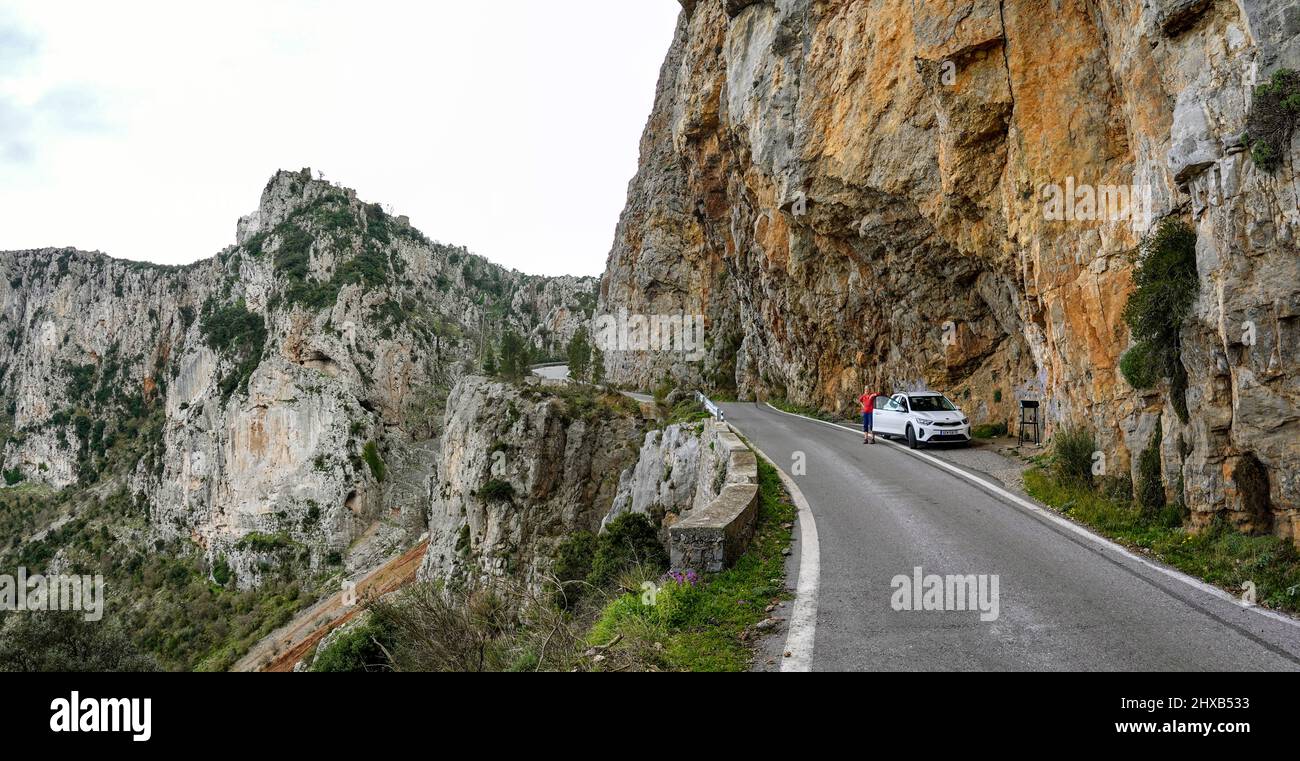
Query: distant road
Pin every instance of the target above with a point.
(1067, 599)
(552, 372)
(283, 648)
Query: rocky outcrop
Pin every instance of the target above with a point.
(681, 468)
(276, 403)
(521, 468)
(859, 193)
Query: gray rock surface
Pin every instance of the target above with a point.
(234, 399)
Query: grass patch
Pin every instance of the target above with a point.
(686, 411)
(989, 430)
(705, 626)
(1218, 554)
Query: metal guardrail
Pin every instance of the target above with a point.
(712, 408)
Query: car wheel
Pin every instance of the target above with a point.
(912, 443)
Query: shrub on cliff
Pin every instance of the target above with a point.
(370, 453)
(1151, 482)
(1166, 283)
(497, 490)
(1273, 118)
(629, 540)
(232, 328)
(363, 647)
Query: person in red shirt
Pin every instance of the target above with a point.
(868, 402)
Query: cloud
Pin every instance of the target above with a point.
(15, 133)
(71, 108)
(56, 110)
(16, 46)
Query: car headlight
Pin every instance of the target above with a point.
(924, 421)
(965, 421)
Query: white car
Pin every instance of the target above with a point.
(919, 418)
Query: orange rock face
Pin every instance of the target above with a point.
(862, 192)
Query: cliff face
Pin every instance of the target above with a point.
(278, 401)
(520, 469)
(856, 192)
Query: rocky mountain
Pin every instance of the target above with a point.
(278, 403)
(861, 193)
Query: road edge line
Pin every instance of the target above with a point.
(802, 631)
(1076, 528)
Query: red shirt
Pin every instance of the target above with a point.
(868, 402)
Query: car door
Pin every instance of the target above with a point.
(902, 414)
(886, 416)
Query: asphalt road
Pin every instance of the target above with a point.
(1065, 602)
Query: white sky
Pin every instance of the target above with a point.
(145, 129)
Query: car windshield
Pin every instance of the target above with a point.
(931, 404)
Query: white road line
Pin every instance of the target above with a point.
(1087, 534)
(803, 619)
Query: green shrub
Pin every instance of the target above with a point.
(1151, 482)
(572, 563)
(260, 542)
(360, 648)
(221, 572)
(13, 476)
(1072, 450)
(1165, 283)
(1273, 118)
(629, 540)
(370, 453)
(497, 490)
(1139, 367)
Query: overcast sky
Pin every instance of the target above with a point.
(145, 129)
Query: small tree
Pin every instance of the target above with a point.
(580, 355)
(597, 365)
(514, 356)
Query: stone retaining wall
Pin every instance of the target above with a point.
(712, 537)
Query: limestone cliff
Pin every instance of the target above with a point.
(856, 192)
(278, 402)
(522, 467)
